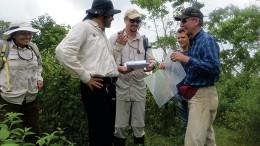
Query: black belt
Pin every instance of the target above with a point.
(109, 80)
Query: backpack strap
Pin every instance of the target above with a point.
(4, 61)
(146, 45)
(37, 53)
(4, 52)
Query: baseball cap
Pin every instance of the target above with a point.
(132, 13)
(189, 12)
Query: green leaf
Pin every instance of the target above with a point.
(4, 132)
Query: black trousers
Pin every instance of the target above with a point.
(30, 116)
(100, 106)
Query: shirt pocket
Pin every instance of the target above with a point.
(13, 61)
(16, 81)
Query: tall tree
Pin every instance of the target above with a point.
(160, 19)
(50, 32)
(238, 30)
(3, 27)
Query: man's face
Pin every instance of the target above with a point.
(133, 24)
(189, 24)
(107, 21)
(183, 39)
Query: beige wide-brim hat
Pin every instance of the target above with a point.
(18, 26)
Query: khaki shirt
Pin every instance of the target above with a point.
(24, 75)
(132, 85)
(86, 52)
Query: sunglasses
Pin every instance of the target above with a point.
(183, 21)
(135, 20)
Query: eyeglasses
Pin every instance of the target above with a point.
(183, 21)
(135, 20)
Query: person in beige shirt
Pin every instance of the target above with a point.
(131, 95)
(87, 54)
(20, 79)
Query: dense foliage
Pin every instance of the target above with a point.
(238, 89)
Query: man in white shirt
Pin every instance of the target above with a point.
(87, 54)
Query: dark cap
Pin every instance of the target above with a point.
(103, 7)
(189, 12)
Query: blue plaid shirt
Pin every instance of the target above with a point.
(203, 68)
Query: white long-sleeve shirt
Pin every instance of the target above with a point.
(86, 52)
(24, 75)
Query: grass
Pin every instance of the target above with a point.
(224, 137)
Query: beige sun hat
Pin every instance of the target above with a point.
(18, 26)
(132, 13)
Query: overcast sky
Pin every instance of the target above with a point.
(72, 11)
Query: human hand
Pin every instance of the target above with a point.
(150, 66)
(124, 70)
(178, 56)
(122, 39)
(39, 84)
(95, 82)
(162, 65)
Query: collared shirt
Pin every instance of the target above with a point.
(132, 85)
(86, 52)
(24, 72)
(203, 68)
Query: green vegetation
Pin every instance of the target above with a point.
(12, 135)
(238, 118)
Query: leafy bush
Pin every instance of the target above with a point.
(239, 107)
(60, 102)
(9, 134)
(12, 135)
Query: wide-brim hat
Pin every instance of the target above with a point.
(189, 12)
(103, 7)
(18, 26)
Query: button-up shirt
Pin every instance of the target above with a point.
(86, 52)
(203, 68)
(132, 85)
(24, 72)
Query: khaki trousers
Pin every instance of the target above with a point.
(202, 112)
(130, 113)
